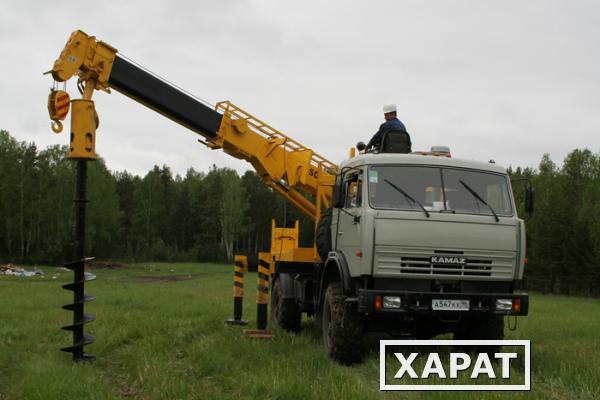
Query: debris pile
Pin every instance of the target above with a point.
(10, 269)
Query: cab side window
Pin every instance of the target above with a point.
(353, 190)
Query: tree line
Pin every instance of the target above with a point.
(161, 217)
(563, 232)
(210, 216)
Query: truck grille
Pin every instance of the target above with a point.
(417, 262)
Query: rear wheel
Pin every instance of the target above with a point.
(323, 234)
(285, 313)
(342, 327)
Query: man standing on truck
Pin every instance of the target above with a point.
(392, 123)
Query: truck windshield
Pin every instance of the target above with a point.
(438, 190)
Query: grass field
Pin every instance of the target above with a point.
(158, 338)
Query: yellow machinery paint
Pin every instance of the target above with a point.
(294, 171)
(86, 57)
(83, 130)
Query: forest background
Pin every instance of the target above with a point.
(210, 216)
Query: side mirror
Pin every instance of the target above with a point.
(337, 200)
(361, 146)
(529, 199)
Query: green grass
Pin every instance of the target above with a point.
(168, 340)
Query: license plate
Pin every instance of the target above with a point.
(450, 305)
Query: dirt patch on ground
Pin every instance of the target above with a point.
(163, 278)
(106, 265)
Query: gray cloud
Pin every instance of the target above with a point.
(504, 80)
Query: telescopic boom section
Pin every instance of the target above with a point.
(158, 95)
(299, 174)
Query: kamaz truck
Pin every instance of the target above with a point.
(409, 244)
(419, 244)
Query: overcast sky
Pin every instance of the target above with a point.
(502, 80)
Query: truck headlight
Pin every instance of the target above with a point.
(391, 302)
(504, 304)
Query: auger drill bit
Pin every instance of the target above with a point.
(80, 318)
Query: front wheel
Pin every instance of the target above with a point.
(343, 327)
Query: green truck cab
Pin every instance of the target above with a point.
(421, 244)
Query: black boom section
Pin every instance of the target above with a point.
(142, 86)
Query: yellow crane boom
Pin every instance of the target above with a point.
(296, 172)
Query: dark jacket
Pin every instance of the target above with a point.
(393, 125)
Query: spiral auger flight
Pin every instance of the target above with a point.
(80, 318)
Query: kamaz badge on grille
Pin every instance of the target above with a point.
(448, 260)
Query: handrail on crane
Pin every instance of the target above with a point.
(234, 112)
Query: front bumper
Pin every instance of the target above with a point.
(420, 303)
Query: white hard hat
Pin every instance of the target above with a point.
(388, 108)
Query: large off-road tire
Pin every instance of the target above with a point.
(343, 327)
(323, 234)
(285, 313)
(488, 327)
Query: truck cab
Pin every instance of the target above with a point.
(426, 244)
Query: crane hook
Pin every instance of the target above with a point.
(56, 126)
(58, 108)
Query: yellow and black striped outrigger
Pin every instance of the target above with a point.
(266, 267)
(241, 267)
(262, 294)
